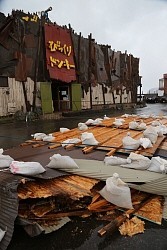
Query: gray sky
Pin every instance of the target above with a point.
(138, 26)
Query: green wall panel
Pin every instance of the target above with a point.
(46, 97)
(76, 96)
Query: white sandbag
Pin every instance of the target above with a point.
(163, 129)
(142, 126)
(151, 133)
(117, 192)
(88, 139)
(2, 234)
(159, 130)
(158, 165)
(89, 121)
(114, 160)
(97, 121)
(136, 125)
(70, 141)
(155, 123)
(118, 122)
(26, 168)
(5, 160)
(130, 143)
(144, 116)
(133, 156)
(125, 115)
(106, 117)
(38, 136)
(139, 162)
(62, 130)
(133, 125)
(49, 138)
(145, 143)
(155, 116)
(82, 126)
(58, 161)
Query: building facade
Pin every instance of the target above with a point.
(51, 67)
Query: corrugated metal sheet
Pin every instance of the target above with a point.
(158, 186)
(98, 170)
(165, 208)
(34, 228)
(8, 206)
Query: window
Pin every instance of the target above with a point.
(4, 81)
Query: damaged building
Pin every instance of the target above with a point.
(50, 68)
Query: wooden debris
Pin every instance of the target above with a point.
(153, 210)
(116, 223)
(132, 227)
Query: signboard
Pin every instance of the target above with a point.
(59, 53)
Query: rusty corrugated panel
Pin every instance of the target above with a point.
(30, 41)
(59, 53)
(2, 18)
(75, 39)
(84, 63)
(101, 71)
(20, 70)
(114, 62)
(5, 31)
(29, 66)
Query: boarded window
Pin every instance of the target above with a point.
(4, 81)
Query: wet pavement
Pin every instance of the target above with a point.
(80, 233)
(14, 133)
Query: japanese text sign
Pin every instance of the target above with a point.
(59, 53)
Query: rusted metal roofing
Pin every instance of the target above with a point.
(101, 71)
(81, 50)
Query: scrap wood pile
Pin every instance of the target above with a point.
(48, 202)
(108, 135)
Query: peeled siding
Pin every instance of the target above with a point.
(15, 96)
(3, 101)
(97, 95)
(108, 96)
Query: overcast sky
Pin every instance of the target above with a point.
(138, 26)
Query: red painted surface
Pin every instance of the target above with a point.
(59, 53)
